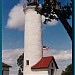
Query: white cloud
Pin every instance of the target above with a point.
(62, 64)
(59, 54)
(10, 57)
(63, 58)
(16, 17)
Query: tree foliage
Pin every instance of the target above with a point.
(52, 9)
(68, 70)
(20, 61)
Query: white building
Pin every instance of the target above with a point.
(34, 62)
(46, 66)
(5, 69)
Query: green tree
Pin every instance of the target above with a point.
(51, 7)
(20, 61)
(68, 70)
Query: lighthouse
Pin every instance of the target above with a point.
(32, 38)
(33, 49)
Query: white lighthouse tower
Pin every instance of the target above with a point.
(33, 41)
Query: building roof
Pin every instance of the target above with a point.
(5, 65)
(44, 63)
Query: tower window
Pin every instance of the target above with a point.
(27, 62)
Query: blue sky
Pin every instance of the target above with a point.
(11, 38)
(54, 36)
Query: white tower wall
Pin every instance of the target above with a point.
(32, 39)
